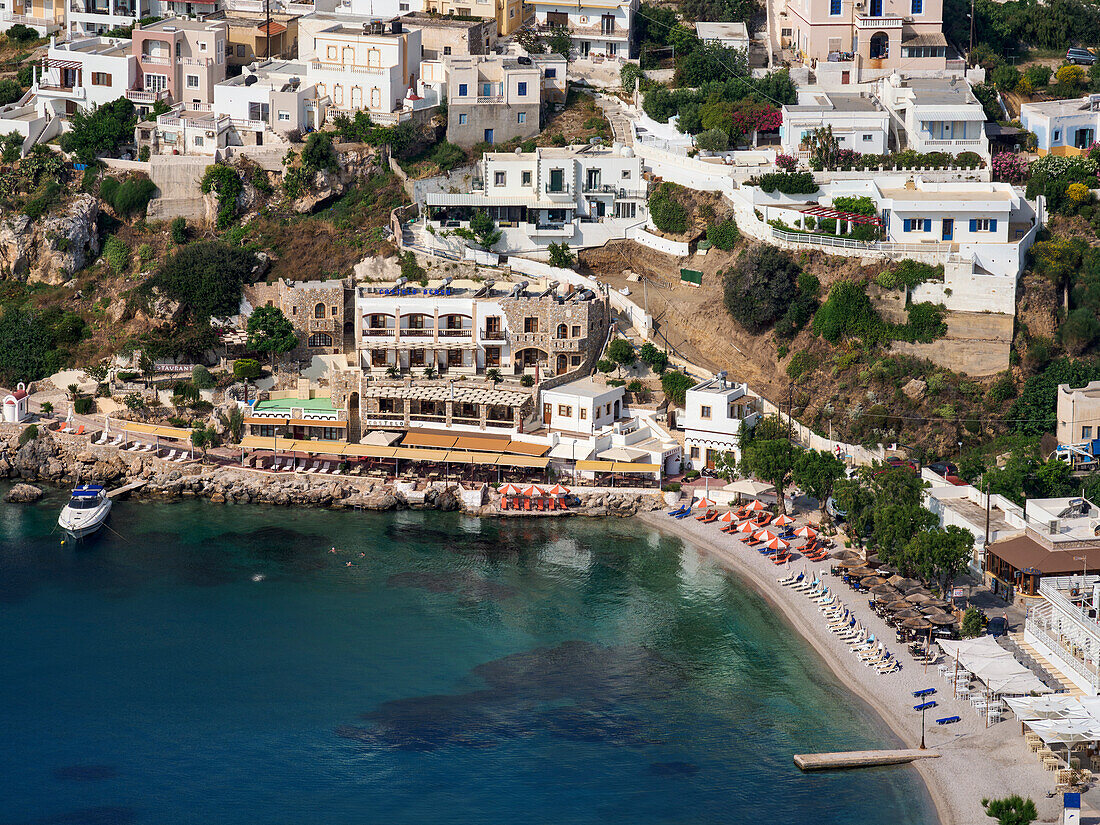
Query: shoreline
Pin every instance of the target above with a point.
(1008, 767)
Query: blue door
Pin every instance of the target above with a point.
(876, 8)
(948, 229)
(489, 136)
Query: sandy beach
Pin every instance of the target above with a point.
(975, 763)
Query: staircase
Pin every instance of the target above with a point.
(1047, 672)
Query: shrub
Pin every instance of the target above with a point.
(447, 156)
(207, 276)
(116, 253)
(786, 163)
(657, 360)
(10, 91)
(672, 486)
(1078, 193)
(319, 154)
(628, 74)
(100, 131)
(713, 140)
(667, 214)
(108, 188)
(1071, 75)
(527, 380)
(789, 183)
(1037, 75)
(224, 182)
(84, 406)
(676, 385)
(801, 363)
(29, 434)
(847, 311)
(201, 378)
(178, 230)
(760, 287)
(724, 235)
(21, 34)
(133, 196)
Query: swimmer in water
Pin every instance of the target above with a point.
(333, 550)
(348, 564)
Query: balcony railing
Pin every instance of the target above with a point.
(74, 92)
(609, 189)
(155, 60)
(194, 61)
(493, 334)
(865, 21)
(379, 332)
(952, 143)
(455, 333)
(348, 67)
(29, 20)
(490, 99)
(139, 96)
(565, 193)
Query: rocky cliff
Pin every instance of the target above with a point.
(52, 248)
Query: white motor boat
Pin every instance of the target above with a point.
(86, 511)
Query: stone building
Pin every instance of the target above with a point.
(319, 311)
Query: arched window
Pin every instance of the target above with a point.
(320, 339)
(562, 331)
(319, 311)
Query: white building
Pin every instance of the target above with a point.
(859, 122)
(967, 507)
(371, 67)
(935, 114)
(597, 28)
(96, 17)
(1063, 127)
(83, 74)
(274, 97)
(16, 407)
(727, 35)
(1064, 627)
(579, 195)
(714, 413)
(582, 407)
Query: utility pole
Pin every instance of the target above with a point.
(968, 54)
(987, 508)
(267, 9)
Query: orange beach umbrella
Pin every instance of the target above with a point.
(534, 491)
(510, 490)
(728, 516)
(704, 502)
(754, 506)
(783, 521)
(806, 533)
(559, 490)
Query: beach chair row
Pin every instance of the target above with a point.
(176, 456)
(318, 467)
(841, 621)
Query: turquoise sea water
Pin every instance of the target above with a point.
(217, 664)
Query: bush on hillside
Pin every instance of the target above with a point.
(207, 277)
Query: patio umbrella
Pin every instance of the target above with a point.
(940, 603)
(851, 564)
(748, 487)
(942, 619)
(783, 521)
(777, 544)
(746, 527)
(883, 590)
(902, 583)
(510, 490)
(806, 533)
(918, 598)
(704, 503)
(916, 623)
(899, 605)
(860, 572)
(874, 561)
(754, 506)
(765, 535)
(907, 613)
(559, 490)
(534, 491)
(872, 581)
(728, 517)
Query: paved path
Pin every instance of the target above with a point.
(615, 111)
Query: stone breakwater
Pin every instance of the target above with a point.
(70, 460)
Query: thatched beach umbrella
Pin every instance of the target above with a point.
(860, 572)
(850, 563)
(900, 604)
(872, 581)
(904, 584)
(916, 623)
(874, 561)
(908, 613)
(942, 619)
(918, 597)
(884, 593)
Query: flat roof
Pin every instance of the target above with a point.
(422, 18)
(181, 24)
(1090, 390)
(731, 31)
(938, 91)
(939, 196)
(316, 404)
(585, 388)
(814, 101)
(718, 386)
(108, 47)
(1054, 108)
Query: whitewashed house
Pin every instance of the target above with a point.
(274, 98)
(582, 407)
(597, 28)
(1063, 127)
(859, 122)
(935, 114)
(83, 74)
(715, 411)
(96, 17)
(579, 195)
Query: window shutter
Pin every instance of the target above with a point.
(927, 224)
(973, 225)
(993, 225)
(908, 225)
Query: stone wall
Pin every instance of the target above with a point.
(299, 301)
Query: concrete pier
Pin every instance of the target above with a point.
(858, 759)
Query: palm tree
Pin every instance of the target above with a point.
(392, 371)
(74, 391)
(494, 375)
(429, 372)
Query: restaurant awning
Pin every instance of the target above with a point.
(317, 422)
(596, 466)
(526, 448)
(481, 442)
(523, 461)
(151, 429)
(411, 454)
(428, 438)
(254, 419)
(631, 467)
(462, 457)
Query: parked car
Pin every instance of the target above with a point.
(1082, 57)
(832, 510)
(997, 626)
(943, 468)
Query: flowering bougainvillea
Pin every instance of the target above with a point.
(786, 163)
(1009, 167)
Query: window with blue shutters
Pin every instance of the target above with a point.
(834, 7)
(917, 225)
(521, 89)
(918, 6)
(983, 224)
(462, 90)
(927, 224)
(907, 225)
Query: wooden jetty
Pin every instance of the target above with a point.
(121, 491)
(841, 760)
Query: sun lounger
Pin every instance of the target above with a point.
(787, 581)
(80, 430)
(300, 468)
(171, 456)
(68, 428)
(783, 559)
(948, 720)
(182, 457)
(102, 438)
(679, 510)
(118, 440)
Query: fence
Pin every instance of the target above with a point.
(858, 454)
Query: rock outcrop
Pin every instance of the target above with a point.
(51, 249)
(23, 494)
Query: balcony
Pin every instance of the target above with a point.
(563, 194)
(490, 99)
(70, 92)
(29, 20)
(155, 60)
(195, 61)
(379, 332)
(456, 333)
(864, 21)
(139, 96)
(348, 68)
(493, 335)
(617, 191)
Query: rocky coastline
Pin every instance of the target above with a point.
(71, 460)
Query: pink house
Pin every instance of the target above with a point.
(179, 60)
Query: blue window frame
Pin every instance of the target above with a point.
(521, 117)
(487, 89)
(462, 120)
(521, 89)
(834, 7)
(551, 72)
(462, 90)
(918, 7)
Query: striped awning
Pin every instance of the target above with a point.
(151, 429)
